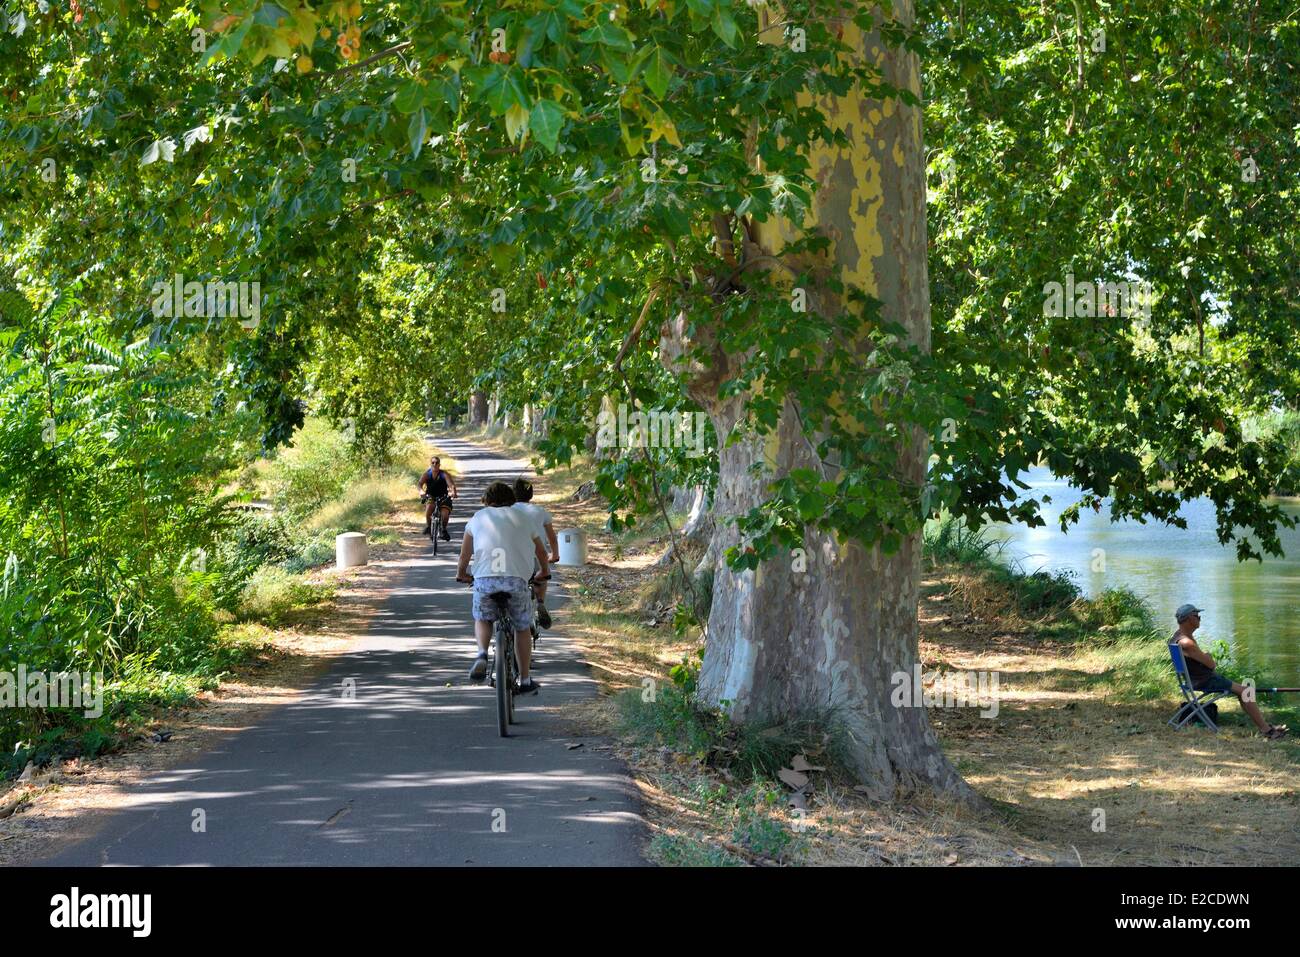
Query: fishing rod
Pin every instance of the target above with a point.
(1275, 690)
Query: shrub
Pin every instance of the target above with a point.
(272, 593)
(313, 471)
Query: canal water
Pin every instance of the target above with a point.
(1253, 606)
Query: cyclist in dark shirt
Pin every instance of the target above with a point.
(434, 485)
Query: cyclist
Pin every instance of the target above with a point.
(503, 547)
(541, 520)
(433, 487)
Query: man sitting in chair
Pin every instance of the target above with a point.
(1200, 670)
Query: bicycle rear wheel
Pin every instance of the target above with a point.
(532, 605)
(514, 675)
(505, 697)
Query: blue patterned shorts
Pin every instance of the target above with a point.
(521, 608)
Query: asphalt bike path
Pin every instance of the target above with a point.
(392, 757)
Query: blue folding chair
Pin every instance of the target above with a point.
(1194, 702)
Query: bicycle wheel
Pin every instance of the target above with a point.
(514, 677)
(532, 605)
(505, 699)
(433, 533)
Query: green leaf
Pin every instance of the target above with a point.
(658, 72)
(446, 89)
(269, 15)
(545, 122)
(516, 122)
(610, 35)
(277, 46)
(235, 40)
(410, 96)
(633, 141)
(502, 89)
(502, 255)
(618, 66)
(417, 131)
(724, 25)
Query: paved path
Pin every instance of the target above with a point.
(411, 772)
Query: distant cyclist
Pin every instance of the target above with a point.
(433, 485)
(545, 530)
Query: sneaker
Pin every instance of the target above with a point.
(427, 528)
(528, 687)
(446, 535)
(478, 671)
(543, 616)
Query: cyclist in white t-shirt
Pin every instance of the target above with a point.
(542, 521)
(504, 551)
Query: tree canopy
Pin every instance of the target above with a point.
(571, 204)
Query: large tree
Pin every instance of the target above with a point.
(823, 630)
(586, 173)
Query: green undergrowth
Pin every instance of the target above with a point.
(729, 773)
(200, 618)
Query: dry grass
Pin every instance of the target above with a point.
(1060, 748)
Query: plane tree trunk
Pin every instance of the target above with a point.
(821, 635)
(478, 408)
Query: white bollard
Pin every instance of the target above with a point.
(573, 546)
(351, 549)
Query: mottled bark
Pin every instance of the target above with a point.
(478, 408)
(823, 631)
(698, 524)
(608, 452)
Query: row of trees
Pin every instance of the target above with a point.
(704, 205)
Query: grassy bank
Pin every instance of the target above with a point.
(260, 581)
(1085, 688)
(1115, 634)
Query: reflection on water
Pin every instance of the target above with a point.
(1254, 606)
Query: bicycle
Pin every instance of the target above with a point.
(503, 673)
(436, 524)
(532, 606)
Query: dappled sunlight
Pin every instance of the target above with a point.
(391, 755)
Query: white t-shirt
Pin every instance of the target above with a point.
(538, 515)
(503, 543)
